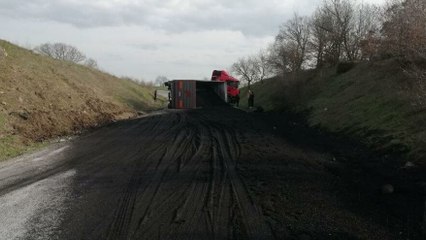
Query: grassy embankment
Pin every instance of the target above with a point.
(42, 98)
(376, 103)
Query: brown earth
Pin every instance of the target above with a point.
(41, 98)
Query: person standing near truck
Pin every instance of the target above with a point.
(250, 99)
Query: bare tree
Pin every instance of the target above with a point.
(262, 66)
(344, 30)
(280, 57)
(340, 15)
(364, 26)
(331, 27)
(160, 80)
(404, 29)
(245, 68)
(61, 51)
(326, 37)
(294, 35)
(320, 36)
(253, 69)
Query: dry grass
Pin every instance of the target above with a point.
(41, 98)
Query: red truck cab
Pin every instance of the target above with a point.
(231, 83)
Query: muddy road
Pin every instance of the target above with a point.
(215, 173)
(170, 175)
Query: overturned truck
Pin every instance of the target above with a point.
(190, 94)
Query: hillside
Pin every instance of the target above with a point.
(377, 103)
(42, 98)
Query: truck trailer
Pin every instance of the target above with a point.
(190, 94)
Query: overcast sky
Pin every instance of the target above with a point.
(147, 38)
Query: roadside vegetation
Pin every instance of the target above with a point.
(42, 98)
(65, 52)
(350, 68)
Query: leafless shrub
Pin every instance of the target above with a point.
(91, 63)
(61, 51)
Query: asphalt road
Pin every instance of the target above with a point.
(168, 175)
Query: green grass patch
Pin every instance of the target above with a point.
(12, 146)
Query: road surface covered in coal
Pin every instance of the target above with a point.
(211, 173)
(168, 175)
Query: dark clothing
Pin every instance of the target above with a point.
(251, 100)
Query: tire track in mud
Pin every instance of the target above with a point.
(123, 215)
(194, 190)
(253, 227)
(177, 154)
(167, 176)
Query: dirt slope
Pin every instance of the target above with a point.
(41, 98)
(377, 103)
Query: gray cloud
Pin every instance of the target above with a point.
(249, 16)
(147, 38)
